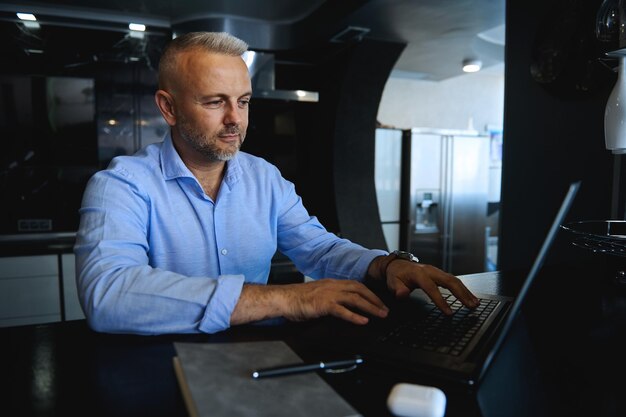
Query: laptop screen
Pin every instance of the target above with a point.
(539, 260)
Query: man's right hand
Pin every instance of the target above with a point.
(299, 302)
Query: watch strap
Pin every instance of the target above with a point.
(388, 259)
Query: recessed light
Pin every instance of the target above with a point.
(472, 65)
(138, 27)
(28, 20)
(26, 16)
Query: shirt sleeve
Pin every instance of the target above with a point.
(119, 291)
(315, 251)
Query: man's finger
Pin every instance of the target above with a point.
(356, 301)
(432, 290)
(459, 290)
(398, 287)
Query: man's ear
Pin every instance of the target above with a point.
(165, 103)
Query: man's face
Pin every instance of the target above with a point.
(211, 100)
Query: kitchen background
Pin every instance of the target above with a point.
(370, 76)
(448, 213)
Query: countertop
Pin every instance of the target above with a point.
(37, 244)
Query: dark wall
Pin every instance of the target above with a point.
(325, 148)
(556, 88)
(329, 152)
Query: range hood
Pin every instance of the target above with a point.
(262, 71)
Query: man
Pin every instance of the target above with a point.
(179, 237)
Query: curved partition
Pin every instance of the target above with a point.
(359, 88)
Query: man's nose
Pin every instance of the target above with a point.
(232, 115)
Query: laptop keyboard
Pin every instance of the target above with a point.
(440, 333)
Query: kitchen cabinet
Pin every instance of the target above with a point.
(73, 310)
(31, 289)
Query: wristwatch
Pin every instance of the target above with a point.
(407, 256)
(398, 254)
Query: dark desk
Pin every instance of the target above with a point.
(65, 369)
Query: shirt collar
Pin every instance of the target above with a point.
(173, 166)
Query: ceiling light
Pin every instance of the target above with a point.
(27, 16)
(28, 20)
(137, 30)
(472, 65)
(138, 27)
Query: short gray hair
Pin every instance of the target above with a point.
(216, 42)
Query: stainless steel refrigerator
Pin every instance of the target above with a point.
(437, 209)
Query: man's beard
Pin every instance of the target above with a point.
(208, 146)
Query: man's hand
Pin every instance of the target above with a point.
(299, 302)
(345, 299)
(403, 277)
(334, 297)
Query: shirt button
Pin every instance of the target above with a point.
(224, 251)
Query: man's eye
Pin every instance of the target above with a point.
(214, 103)
(244, 103)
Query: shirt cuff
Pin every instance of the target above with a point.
(365, 261)
(222, 303)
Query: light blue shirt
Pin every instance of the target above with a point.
(155, 254)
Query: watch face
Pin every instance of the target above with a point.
(405, 255)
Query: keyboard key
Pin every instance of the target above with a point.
(441, 333)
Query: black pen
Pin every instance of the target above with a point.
(337, 366)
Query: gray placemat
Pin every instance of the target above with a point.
(216, 381)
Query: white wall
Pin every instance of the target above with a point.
(447, 104)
